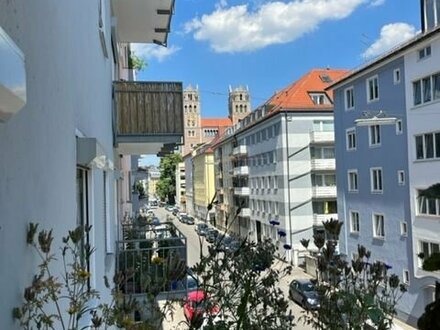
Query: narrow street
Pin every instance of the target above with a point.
(193, 254)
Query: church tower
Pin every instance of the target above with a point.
(239, 104)
(192, 120)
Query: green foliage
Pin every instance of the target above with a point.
(136, 63)
(69, 293)
(166, 186)
(244, 286)
(351, 294)
(432, 263)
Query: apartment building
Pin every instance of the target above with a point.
(60, 120)
(152, 180)
(386, 120)
(180, 187)
(281, 166)
(189, 189)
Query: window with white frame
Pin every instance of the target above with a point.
(428, 146)
(376, 180)
(354, 222)
(349, 98)
(373, 89)
(424, 52)
(405, 278)
(396, 76)
(427, 248)
(426, 89)
(353, 181)
(374, 135)
(324, 180)
(428, 206)
(401, 177)
(351, 139)
(378, 226)
(399, 127)
(404, 228)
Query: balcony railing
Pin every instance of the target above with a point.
(323, 164)
(318, 219)
(245, 212)
(156, 253)
(242, 191)
(241, 170)
(239, 151)
(324, 192)
(148, 116)
(322, 137)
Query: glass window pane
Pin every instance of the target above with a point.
(419, 147)
(436, 82)
(429, 145)
(427, 89)
(425, 248)
(417, 90)
(434, 248)
(329, 153)
(330, 180)
(432, 207)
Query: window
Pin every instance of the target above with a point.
(378, 226)
(82, 211)
(401, 177)
(374, 135)
(324, 180)
(428, 206)
(428, 146)
(373, 89)
(376, 180)
(426, 89)
(353, 181)
(351, 139)
(403, 228)
(349, 98)
(405, 277)
(399, 127)
(427, 248)
(354, 222)
(396, 76)
(424, 52)
(319, 99)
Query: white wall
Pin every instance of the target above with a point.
(69, 91)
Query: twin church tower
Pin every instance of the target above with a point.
(200, 130)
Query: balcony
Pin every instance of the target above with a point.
(245, 212)
(323, 192)
(242, 191)
(322, 137)
(147, 117)
(239, 151)
(241, 171)
(318, 219)
(143, 21)
(323, 164)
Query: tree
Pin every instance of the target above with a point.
(351, 294)
(430, 320)
(135, 62)
(166, 186)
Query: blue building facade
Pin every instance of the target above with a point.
(372, 169)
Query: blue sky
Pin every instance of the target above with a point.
(268, 44)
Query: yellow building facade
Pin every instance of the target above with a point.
(203, 182)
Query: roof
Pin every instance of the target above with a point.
(396, 51)
(297, 95)
(216, 122)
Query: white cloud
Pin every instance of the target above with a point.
(390, 35)
(241, 29)
(152, 51)
(377, 3)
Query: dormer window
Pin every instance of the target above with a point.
(319, 98)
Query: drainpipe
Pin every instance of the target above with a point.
(288, 183)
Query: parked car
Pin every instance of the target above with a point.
(201, 229)
(189, 220)
(211, 235)
(192, 282)
(181, 216)
(197, 305)
(303, 292)
(232, 246)
(223, 242)
(175, 211)
(155, 221)
(169, 208)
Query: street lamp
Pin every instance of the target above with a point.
(380, 118)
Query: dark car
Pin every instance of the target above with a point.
(175, 211)
(211, 235)
(201, 229)
(232, 246)
(222, 242)
(189, 220)
(303, 292)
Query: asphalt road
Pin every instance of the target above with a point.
(193, 254)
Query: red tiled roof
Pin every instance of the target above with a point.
(216, 122)
(297, 95)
